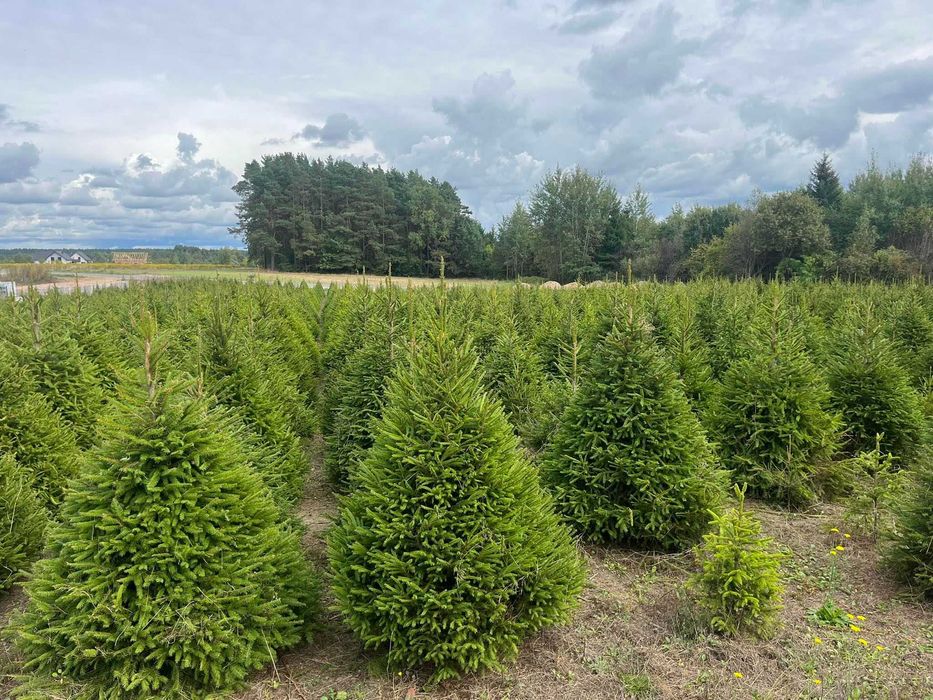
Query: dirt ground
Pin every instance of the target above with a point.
(636, 635)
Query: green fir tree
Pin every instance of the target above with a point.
(22, 521)
(870, 390)
(630, 461)
(772, 417)
(447, 552)
(909, 544)
(739, 584)
(43, 444)
(169, 574)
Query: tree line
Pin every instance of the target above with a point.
(331, 215)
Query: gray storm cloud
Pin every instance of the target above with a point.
(699, 102)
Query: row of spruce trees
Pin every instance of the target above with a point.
(473, 432)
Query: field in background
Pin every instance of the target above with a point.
(65, 277)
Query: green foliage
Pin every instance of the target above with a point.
(358, 390)
(739, 583)
(447, 552)
(877, 485)
(772, 416)
(909, 546)
(22, 521)
(630, 462)
(829, 615)
(870, 390)
(169, 574)
(824, 184)
(234, 378)
(64, 375)
(302, 214)
(515, 375)
(43, 444)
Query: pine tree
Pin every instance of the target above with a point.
(448, 552)
(909, 549)
(169, 574)
(630, 462)
(870, 390)
(772, 418)
(44, 446)
(824, 184)
(739, 583)
(22, 521)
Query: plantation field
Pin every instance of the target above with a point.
(342, 490)
(96, 275)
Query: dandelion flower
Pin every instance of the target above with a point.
(850, 616)
(817, 640)
(834, 529)
(863, 642)
(847, 536)
(860, 617)
(855, 628)
(817, 681)
(738, 675)
(840, 548)
(833, 552)
(879, 647)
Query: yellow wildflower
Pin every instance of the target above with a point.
(817, 681)
(859, 617)
(833, 552)
(863, 642)
(738, 675)
(850, 616)
(879, 647)
(840, 548)
(834, 529)
(855, 628)
(847, 536)
(817, 640)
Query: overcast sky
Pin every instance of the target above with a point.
(126, 123)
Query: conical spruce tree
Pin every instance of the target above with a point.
(912, 331)
(169, 574)
(358, 392)
(235, 380)
(909, 545)
(30, 429)
(515, 375)
(772, 417)
(870, 390)
(630, 462)
(448, 552)
(739, 585)
(22, 521)
(66, 378)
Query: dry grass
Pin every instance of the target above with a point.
(636, 635)
(91, 276)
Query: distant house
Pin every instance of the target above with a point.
(52, 256)
(79, 257)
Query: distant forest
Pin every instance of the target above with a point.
(317, 215)
(179, 255)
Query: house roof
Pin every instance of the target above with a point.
(45, 254)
